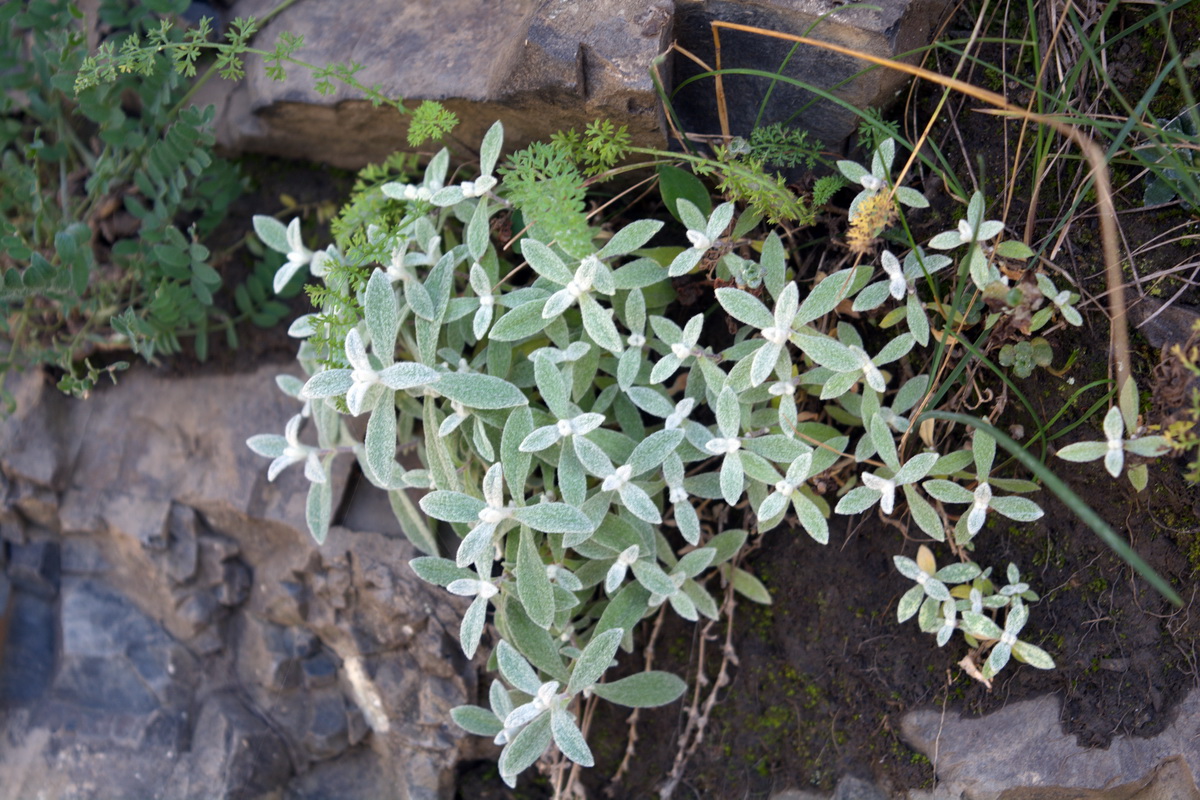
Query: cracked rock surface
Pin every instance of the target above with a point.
(173, 632)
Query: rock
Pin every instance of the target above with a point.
(235, 583)
(1171, 779)
(102, 684)
(183, 550)
(538, 65)
(319, 671)
(83, 555)
(30, 650)
(545, 65)
(267, 657)
(851, 788)
(355, 776)
(116, 658)
(197, 611)
(1027, 751)
(236, 755)
(886, 28)
(35, 568)
(325, 734)
(174, 585)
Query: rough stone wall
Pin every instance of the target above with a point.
(171, 631)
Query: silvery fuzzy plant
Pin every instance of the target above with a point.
(569, 429)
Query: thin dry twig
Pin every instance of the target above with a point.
(699, 711)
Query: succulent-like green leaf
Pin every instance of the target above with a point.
(630, 238)
(643, 690)
(440, 571)
(380, 442)
(569, 738)
(625, 609)
(745, 307)
(475, 390)
(653, 450)
(554, 518)
(526, 747)
(476, 720)
(381, 312)
(594, 660)
(452, 506)
(272, 232)
(750, 587)
(533, 586)
(515, 669)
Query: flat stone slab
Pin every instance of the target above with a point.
(537, 65)
(1022, 753)
(546, 65)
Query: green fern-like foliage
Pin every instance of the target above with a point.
(784, 147)
(430, 121)
(124, 145)
(601, 146)
(745, 179)
(545, 185)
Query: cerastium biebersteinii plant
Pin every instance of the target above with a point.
(567, 425)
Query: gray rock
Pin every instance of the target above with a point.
(235, 583)
(30, 649)
(175, 585)
(545, 65)
(83, 555)
(267, 657)
(196, 611)
(851, 788)
(236, 755)
(319, 671)
(102, 684)
(35, 568)
(538, 65)
(1023, 746)
(798, 794)
(325, 734)
(183, 549)
(355, 776)
(885, 29)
